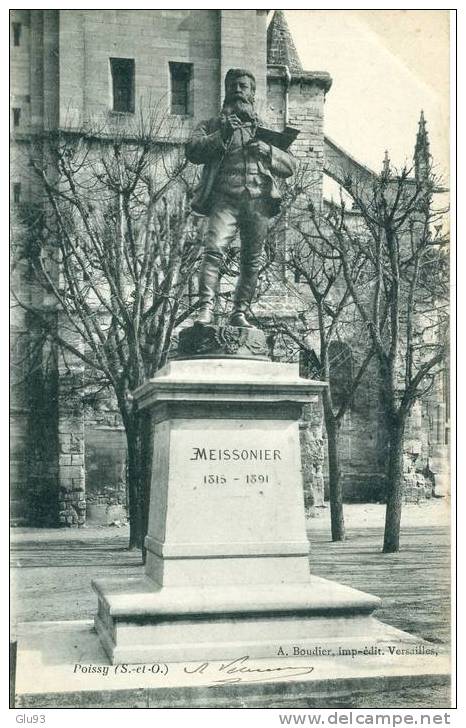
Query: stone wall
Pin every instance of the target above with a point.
(362, 439)
(306, 112)
(34, 382)
(211, 40)
(88, 38)
(243, 44)
(311, 432)
(105, 460)
(299, 102)
(34, 456)
(72, 482)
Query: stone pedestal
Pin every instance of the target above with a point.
(227, 570)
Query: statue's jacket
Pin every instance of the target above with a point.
(206, 146)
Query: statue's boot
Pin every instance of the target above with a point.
(238, 318)
(253, 231)
(243, 296)
(208, 285)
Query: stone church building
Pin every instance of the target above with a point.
(68, 459)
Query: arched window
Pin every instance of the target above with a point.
(341, 370)
(309, 364)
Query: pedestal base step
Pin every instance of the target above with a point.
(63, 665)
(138, 623)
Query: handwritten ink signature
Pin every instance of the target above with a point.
(240, 670)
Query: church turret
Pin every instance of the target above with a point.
(422, 156)
(386, 164)
(281, 50)
(295, 97)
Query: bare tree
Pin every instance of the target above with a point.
(326, 316)
(403, 305)
(112, 245)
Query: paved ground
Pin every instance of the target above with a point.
(52, 570)
(431, 513)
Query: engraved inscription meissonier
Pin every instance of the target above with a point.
(227, 473)
(202, 453)
(223, 461)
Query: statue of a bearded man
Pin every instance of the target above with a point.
(237, 191)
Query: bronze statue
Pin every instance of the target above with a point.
(237, 191)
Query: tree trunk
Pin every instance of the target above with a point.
(134, 484)
(396, 428)
(332, 427)
(146, 472)
(137, 426)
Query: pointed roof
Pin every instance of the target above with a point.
(281, 49)
(386, 163)
(422, 157)
(422, 138)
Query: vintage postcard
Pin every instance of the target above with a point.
(230, 361)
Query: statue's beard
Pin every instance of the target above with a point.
(244, 110)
